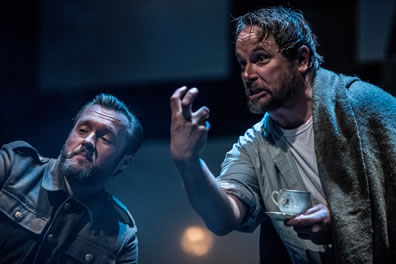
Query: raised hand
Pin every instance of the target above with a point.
(189, 130)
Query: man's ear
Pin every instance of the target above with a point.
(123, 164)
(125, 161)
(303, 59)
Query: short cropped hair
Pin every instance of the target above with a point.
(289, 29)
(134, 127)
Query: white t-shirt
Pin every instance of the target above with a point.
(301, 146)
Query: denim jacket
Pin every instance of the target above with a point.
(41, 223)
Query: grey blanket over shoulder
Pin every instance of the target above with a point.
(355, 144)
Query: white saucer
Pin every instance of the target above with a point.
(280, 216)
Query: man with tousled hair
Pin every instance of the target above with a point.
(322, 132)
(56, 210)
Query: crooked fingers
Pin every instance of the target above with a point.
(201, 116)
(186, 103)
(175, 99)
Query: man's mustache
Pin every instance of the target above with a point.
(81, 150)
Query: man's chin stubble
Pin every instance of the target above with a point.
(72, 172)
(268, 106)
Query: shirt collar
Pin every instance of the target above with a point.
(268, 126)
(53, 179)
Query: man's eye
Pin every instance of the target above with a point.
(106, 139)
(262, 58)
(82, 131)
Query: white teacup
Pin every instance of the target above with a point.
(292, 202)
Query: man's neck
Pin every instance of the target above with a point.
(81, 192)
(298, 109)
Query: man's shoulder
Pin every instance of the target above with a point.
(122, 211)
(25, 150)
(257, 129)
(252, 140)
(249, 138)
(360, 93)
(352, 82)
(257, 132)
(369, 98)
(328, 78)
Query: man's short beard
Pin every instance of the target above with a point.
(279, 99)
(71, 172)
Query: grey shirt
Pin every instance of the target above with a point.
(259, 163)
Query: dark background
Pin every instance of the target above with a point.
(56, 55)
(35, 34)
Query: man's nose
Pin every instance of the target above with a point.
(89, 142)
(249, 73)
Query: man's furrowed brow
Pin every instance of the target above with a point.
(239, 57)
(108, 130)
(260, 47)
(82, 122)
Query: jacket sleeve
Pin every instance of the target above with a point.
(238, 178)
(129, 250)
(129, 253)
(7, 155)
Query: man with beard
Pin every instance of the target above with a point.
(322, 132)
(56, 210)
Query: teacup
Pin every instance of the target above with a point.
(292, 202)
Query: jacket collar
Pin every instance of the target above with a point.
(53, 179)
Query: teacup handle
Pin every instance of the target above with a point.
(273, 197)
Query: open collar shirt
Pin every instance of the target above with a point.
(259, 163)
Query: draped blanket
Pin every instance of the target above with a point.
(355, 144)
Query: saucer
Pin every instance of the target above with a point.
(280, 216)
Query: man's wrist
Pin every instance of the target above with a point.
(184, 165)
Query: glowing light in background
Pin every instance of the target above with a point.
(197, 241)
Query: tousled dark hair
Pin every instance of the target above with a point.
(289, 29)
(134, 127)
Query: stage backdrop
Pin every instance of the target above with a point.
(153, 191)
(88, 43)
